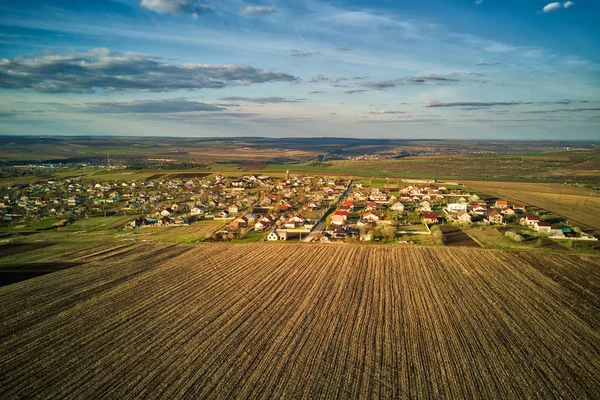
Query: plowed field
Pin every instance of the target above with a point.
(297, 321)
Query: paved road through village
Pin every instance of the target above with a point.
(319, 226)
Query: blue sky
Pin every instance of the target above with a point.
(522, 69)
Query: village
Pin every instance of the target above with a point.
(264, 208)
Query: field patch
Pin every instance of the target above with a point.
(19, 272)
(193, 233)
(579, 205)
(10, 249)
(454, 236)
(253, 166)
(189, 175)
(304, 321)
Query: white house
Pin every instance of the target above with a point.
(196, 211)
(399, 207)
(370, 216)
(480, 209)
(456, 207)
(542, 226)
(425, 206)
(529, 221)
(277, 235)
(338, 219)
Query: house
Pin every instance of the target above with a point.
(480, 209)
(337, 219)
(233, 209)
(398, 207)
(340, 232)
(456, 207)
(495, 217)
(287, 205)
(364, 223)
(507, 211)
(261, 226)
(299, 219)
(251, 218)
(378, 197)
(542, 226)
(325, 237)
(263, 223)
(313, 205)
(529, 221)
(371, 205)
(267, 219)
(430, 219)
(196, 211)
(343, 213)
(295, 222)
(462, 217)
(348, 205)
(165, 213)
(370, 216)
(500, 204)
(240, 222)
(425, 206)
(165, 221)
(519, 208)
(222, 215)
(359, 196)
(274, 236)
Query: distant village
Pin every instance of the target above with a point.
(302, 208)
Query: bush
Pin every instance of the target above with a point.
(514, 236)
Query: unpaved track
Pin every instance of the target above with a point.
(304, 321)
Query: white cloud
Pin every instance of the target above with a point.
(497, 47)
(103, 69)
(478, 1)
(258, 10)
(568, 4)
(359, 18)
(551, 7)
(168, 6)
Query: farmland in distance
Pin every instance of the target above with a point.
(294, 321)
(579, 205)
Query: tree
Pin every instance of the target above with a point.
(389, 232)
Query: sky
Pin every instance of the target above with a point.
(452, 69)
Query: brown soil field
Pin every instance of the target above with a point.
(9, 249)
(304, 321)
(13, 273)
(588, 168)
(580, 206)
(253, 166)
(444, 165)
(248, 155)
(454, 236)
(188, 175)
(182, 234)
